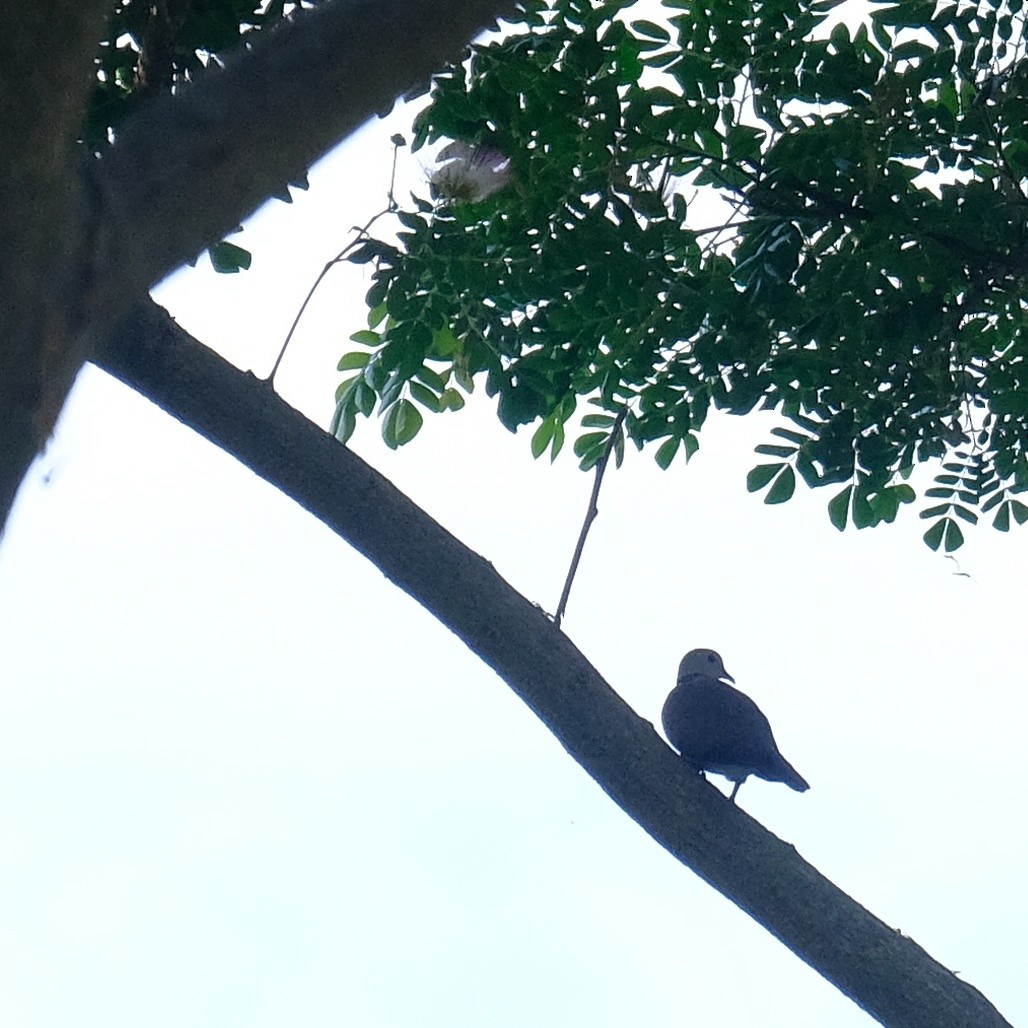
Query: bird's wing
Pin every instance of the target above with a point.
(706, 720)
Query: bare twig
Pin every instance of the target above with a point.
(360, 234)
(590, 515)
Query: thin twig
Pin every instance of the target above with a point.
(591, 513)
(716, 228)
(360, 234)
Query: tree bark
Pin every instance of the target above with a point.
(46, 55)
(883, 971)
(191, 167)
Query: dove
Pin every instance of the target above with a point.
(720, 729)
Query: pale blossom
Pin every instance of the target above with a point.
(466, 173)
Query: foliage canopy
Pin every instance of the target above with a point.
(751, 203)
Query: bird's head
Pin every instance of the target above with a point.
(704, 662)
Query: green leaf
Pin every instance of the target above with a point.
(375, 374)
(884, 506)
(954, 538)
(425, 397)
(997, 497)
(369, 250)
(344, 388)
(349, 361)
(444, 342)
(590, 458)
(411, 220)
(1001, 522)
(542, 437)
(651, 30)
(1015, 403)
(431, 379)
(839, 507)
(366, 337)
(761, 475)
(228, 259)
(392, 389)
(558, 440)
(343, 423)
(666, 452)
(364, 398)
(862, 514)
(784, 486)
(933, 537)
(401, 424)
(793, 437)
(775, 451)
(807, 471)
(451, 400)
(963, 512)
(590, 441)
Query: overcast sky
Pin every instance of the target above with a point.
(245, 781)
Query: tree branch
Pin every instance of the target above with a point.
(590, 515)
(884, 972)
(189, 168)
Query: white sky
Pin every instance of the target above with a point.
(245, 781)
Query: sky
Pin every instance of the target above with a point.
(246, 781)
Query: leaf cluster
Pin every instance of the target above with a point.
(748, 204)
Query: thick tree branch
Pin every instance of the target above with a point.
(884, 972)
(189, 168)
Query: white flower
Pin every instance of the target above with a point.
(469, 173)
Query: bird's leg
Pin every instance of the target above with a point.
(734, 791)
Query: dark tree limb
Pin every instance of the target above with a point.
(883, 971)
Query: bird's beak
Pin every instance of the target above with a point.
(727, 677)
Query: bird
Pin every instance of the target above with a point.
(720, 729)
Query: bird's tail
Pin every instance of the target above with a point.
(791, 777)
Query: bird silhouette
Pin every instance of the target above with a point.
(717, 728)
